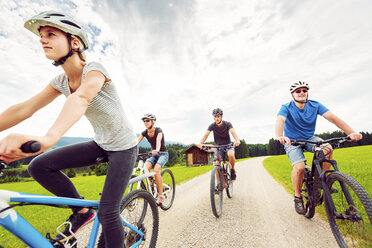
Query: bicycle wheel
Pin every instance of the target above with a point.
(351, 222)
(307, 187)
(132, 207)
(229, 182)
(216, 191)
(169, 189)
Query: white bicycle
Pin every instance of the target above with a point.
(148, 182)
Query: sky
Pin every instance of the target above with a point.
(181, 59)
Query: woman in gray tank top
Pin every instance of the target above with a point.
(89, 91)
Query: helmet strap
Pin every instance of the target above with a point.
(294, 99)
(62, 60)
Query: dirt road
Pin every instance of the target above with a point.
(260, 214)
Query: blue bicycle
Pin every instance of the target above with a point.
(139, 214)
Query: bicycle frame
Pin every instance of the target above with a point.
(222, 149)
(141, 170)
(17, 225)
(318, 159)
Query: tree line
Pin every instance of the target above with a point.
(177, 157)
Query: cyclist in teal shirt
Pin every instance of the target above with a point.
(298, 120)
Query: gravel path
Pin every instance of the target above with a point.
(260, 214)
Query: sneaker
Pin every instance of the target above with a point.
(218, 189)
(299, 205)
(160, 200)
(233, 175)
(77, 221)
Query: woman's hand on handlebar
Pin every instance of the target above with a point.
(10, 146)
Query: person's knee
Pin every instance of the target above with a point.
(327, 149)
(299, 168)
(36, 167)
(157, 169)
(148, 165)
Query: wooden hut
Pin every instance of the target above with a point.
(197, 157)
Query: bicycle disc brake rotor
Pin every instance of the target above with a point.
(132, 237)
(356, 220)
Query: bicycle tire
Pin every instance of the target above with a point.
(229, 182)
(306, 192)
(136, 201)
(356, 229)
(216, 194)
(169, 189)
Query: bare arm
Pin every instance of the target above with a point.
(158, 142)
(75, 106)
(279, 129)
(140, 138)
(204, 139)
(342, 125)
(24, 110)
(233, 133)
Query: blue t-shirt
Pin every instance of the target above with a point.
(300, 123)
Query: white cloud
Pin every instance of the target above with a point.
(181, 59)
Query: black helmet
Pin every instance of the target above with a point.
(217, 111)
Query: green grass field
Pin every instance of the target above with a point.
(355, 161)
(46, 219)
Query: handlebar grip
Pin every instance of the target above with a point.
(31, 147)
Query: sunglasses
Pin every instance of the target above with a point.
(299, 91)
(146, 120)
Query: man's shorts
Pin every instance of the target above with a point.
(295, 153)
(222, 154)
(160, 159)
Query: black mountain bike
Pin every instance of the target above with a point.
(347, 204)
(220, 179)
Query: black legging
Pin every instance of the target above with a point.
(46, 169)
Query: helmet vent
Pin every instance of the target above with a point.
(71, 23)
(55, 14)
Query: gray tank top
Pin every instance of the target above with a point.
(113, 132)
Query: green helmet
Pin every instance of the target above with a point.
(58, 20)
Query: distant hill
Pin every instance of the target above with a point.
(72, 140)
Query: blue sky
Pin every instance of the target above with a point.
(181, 59)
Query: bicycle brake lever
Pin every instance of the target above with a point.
(2, 166)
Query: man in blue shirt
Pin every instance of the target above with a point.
(298, 119)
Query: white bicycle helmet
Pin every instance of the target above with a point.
(63, 22)
(296, 85)
(149, 116)
(58, 20)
